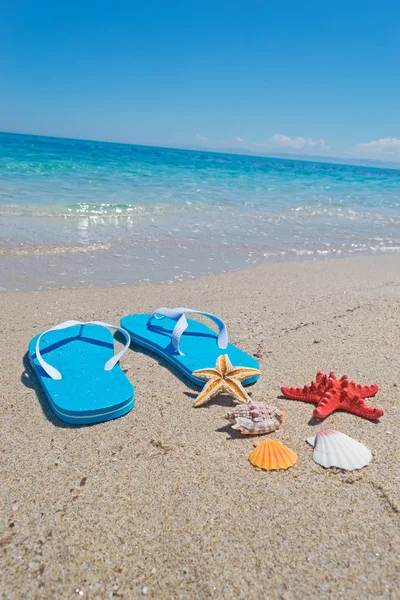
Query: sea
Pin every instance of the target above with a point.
(77, 213)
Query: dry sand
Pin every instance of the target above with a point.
(163, 502)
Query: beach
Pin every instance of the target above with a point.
(163, 502)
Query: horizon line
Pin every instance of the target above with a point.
(333, 160)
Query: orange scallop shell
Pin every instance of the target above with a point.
(271, 455)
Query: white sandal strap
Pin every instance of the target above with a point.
(53, 372)
(178, 315)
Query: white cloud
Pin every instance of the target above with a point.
(201, 138)
(279, 140)
(385, 147)
(239, 139)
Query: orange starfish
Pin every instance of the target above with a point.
(224, 378)
(330, 394)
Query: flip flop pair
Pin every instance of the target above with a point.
(76, 366)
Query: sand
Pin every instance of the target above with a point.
(163, 502)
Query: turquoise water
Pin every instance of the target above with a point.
(112, 206)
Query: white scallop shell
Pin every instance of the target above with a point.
(336, 449)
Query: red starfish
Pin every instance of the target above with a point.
(331, 394)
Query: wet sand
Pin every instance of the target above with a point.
(163, 503)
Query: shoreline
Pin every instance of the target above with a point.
(101, 266)
(163, 503)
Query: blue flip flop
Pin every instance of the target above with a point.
(84, 384)
(185, 343)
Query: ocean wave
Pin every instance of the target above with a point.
(103, 209)
(228, 210)
(51, 249)
(342, 212)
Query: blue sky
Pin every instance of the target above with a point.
(304, 77)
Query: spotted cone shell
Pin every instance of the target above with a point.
(255, 418)
(271, 455)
